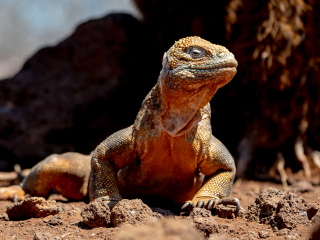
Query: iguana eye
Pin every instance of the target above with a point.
(196, 52)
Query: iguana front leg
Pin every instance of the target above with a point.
(213, 191)
(219, 168)
(111, 155)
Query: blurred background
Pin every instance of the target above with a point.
(26, 26)
(89, 67)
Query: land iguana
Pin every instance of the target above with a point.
(169, 155)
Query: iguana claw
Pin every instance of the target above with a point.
(211, 204)
(200, 204)
(188, 205)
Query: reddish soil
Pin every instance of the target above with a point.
(69, 224)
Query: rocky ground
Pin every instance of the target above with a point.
(270, 213)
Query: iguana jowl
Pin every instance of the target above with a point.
(169, 154)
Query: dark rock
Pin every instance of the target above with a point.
(45, 236)
(202, 219)
(228, 212)
(163, 212)
(96, 214)
(281, 210)
(316, 233)
(133, 212)
(91, 84)
(312, 210)
(167, 228)
(34, 207)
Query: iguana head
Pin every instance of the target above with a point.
(193, 69)
(193, 60)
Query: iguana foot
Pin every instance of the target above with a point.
(210, 203)
(200, 202)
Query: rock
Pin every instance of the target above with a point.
(281, 210)
(228, 212)
(283, 232)
(202, 219)
(71, 211)
(251, 235)
(288, 234)
(163, 212)
(293, 210)
(76, 89)
(167, 228)
(4, 217)
(316, 219)
(96, 214)
(263, 209)
(133, 212)
(45, 236)
(34, 207)
(263, 234)
(54, 221)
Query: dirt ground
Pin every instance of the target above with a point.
(69, 224)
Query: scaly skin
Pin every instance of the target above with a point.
(67, 174)
(169, 154)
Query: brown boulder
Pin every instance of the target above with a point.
(228, 212)
(96, 214)
(34, 207)
(202, 219)
(133, 212)
(71, 96)
(281, 210)
(294, 210)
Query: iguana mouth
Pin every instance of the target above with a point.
(208, 67)
(217, 65)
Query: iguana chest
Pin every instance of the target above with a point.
(164, 166)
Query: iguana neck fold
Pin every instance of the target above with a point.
(180, 105)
